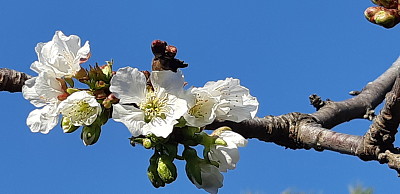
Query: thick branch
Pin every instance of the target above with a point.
(371, 96)
(12, 80)
(384, 128)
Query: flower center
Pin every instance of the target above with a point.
(154, 106)
(198, 109)
(79, 111)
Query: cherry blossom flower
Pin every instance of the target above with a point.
(43, 91)
(227, 155)
(145, 110)
(63, 55)
(222, 100)
(80, 109)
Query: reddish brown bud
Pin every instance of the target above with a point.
(171, 51)
(100, 94)
(387, 18)
(390, 4)
(158, 47)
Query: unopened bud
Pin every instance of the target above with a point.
(171, 51)
(387, 18)
(166, 169)
(152, 173)
(107, 69)
(100, 94)
(90, 134)
(384, 19)
(390, 4)
(147, 143)
(100, 84)
(158, 47)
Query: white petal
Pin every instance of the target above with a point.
(48, 87)
(129, 85)
(159, 127)
(60, 55)
(236, 102)
(227, 156)
(172, 82)
(84, 51)
(71, 43)
(202, 107)
(163, 127)
(78, 116)
(236, 138)
(132, 117)
(29, 93)
(43, 120)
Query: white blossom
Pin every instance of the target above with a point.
(63, 55)
(80, 108)
(227, 155)
(222, 100)
(145, 110)
(211, 178)
(43, 91)
(236, 102)
(202, 107)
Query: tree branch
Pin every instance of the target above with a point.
(12, 80)
(370, 97)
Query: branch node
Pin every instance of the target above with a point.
(354, 92)
(316, 101)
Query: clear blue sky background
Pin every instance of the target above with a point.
(282, 50)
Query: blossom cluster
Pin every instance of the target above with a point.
(155, 107)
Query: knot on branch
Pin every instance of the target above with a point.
(285, 129)
(381, 134)
(12, 80)
(392, 158)
(317, 102)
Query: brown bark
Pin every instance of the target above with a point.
(12, 80)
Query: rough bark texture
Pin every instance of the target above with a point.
(12, 80)
(305, 131)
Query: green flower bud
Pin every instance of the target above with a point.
(90, 134)
(152, 173)
(147, 143)
(384, 19)
(166, 169)
(107, 69)
(67, 126)
(387, 18)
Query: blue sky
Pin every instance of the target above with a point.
(283, 51)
